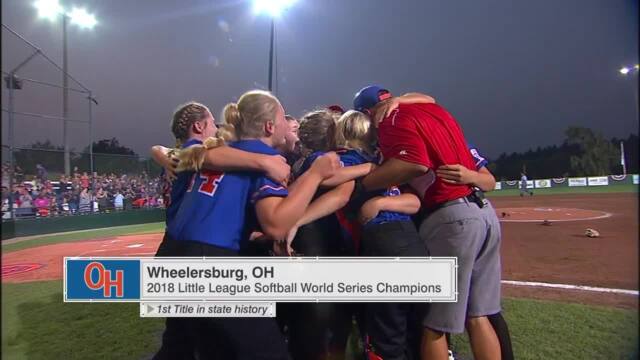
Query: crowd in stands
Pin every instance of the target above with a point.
(42, 195)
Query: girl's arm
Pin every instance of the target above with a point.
(348, 173)
(326, 204)
(213, 155)
(404, 203)
(387, 107)
(460, 175)
(277, 215)
(162, 156)
(225, 158)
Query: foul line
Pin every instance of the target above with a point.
(605, 215)
(571, 287)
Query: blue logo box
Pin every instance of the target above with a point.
(102, 279)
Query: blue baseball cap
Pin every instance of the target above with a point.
(369, 96)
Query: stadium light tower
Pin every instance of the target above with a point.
(628, 71)
(273, 8)
(52, 10)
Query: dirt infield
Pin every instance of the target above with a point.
(552, 214)
(561, 253)
(531, 252)
(50, 257)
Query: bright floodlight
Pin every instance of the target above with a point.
(82, 18)
(272, 7)
(49, 9)
(625, 70)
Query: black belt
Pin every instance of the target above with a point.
(464, 199)
(476, 197)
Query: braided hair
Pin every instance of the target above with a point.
(184, 117)
(317, 132)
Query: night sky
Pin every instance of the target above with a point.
(514, 73)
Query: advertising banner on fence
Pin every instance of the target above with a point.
(510, 184)
(578, 181)
(559, 182)
(544, 183)
(598, 181)
(617, 179)
(610, 180)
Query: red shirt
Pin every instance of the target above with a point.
(428, 135)
(84, 180)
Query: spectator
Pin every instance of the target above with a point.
(85, 201)
(94, 202)
(65, 209)
(6, 214)
(33, 190)
(41, 172)
(101, 197)
(139, 202)
(74, 201)
(84, 181)
(118, 201)
(64, 194)
(25, 200)
(53, 205)
(42, 205)
(6, 174)
(19, 175)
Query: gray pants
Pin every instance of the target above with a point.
(473, 235)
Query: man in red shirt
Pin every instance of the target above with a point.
(416, 139)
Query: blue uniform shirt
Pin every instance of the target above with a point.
(479, 160)
(218, 208)
(179, 186)
(354, 157)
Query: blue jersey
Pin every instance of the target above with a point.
(179, 186)
(355, 157)
(217, 207)
(478, 159)
(306, 164)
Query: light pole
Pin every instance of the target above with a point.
(51, 9)
(274, 9)
(628, 71)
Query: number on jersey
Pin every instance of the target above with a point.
(210, 181)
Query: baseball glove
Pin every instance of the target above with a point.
(591, 233)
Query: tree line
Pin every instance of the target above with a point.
(109, 156)
(584, 152)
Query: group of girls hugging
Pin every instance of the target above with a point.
(238, 189)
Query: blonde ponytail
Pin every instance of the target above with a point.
(192, 158)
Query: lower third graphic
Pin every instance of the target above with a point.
(101, 279)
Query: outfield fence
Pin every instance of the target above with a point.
(610, 180)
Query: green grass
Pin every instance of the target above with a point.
(627, 188)
(85, 235)
(553, 330)
(36, 324)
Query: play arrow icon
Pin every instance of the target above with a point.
(149, 309)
